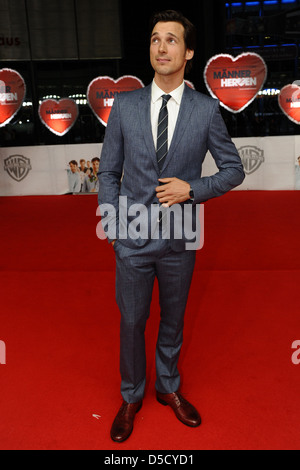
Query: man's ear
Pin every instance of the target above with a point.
(189, 54)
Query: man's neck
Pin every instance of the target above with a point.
(168, 83)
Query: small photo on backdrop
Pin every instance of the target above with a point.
(83, 175)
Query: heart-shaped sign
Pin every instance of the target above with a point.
(12, 94)
(235, 81)
(101, 92)
(289, 102)
(58, 116)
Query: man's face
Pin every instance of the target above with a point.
(168, 53)
(96, 166)
(73, 167)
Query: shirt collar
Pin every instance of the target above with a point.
(176, 94)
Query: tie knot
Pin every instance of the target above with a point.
(166, 98)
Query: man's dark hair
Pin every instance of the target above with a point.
(190, 38)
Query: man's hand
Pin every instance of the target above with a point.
(173, 191)
(113, 243)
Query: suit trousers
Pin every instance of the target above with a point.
(136, 270)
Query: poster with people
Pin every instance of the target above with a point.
(49, 170)
(83, 175)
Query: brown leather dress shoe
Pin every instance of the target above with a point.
(184, 411)
(123, 424)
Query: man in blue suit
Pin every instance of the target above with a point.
(155, 144)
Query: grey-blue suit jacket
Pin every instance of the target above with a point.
(129, 150)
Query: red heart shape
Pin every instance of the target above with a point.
(58, 116)
(235, 81)
(289, 102)
(12, 94)
(101, 91)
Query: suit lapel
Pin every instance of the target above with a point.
(185, 111)
(145, 122)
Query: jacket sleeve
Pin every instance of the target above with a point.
(231, 172)
(110, 170)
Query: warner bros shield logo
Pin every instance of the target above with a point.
(17, 166)
(252, 158)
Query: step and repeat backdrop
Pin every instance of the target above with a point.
(271, 163)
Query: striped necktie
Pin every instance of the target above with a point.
(162, 132)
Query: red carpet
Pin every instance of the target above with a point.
(60, 325)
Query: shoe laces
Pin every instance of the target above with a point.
(179, 400)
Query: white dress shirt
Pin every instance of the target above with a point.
(173, 109)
